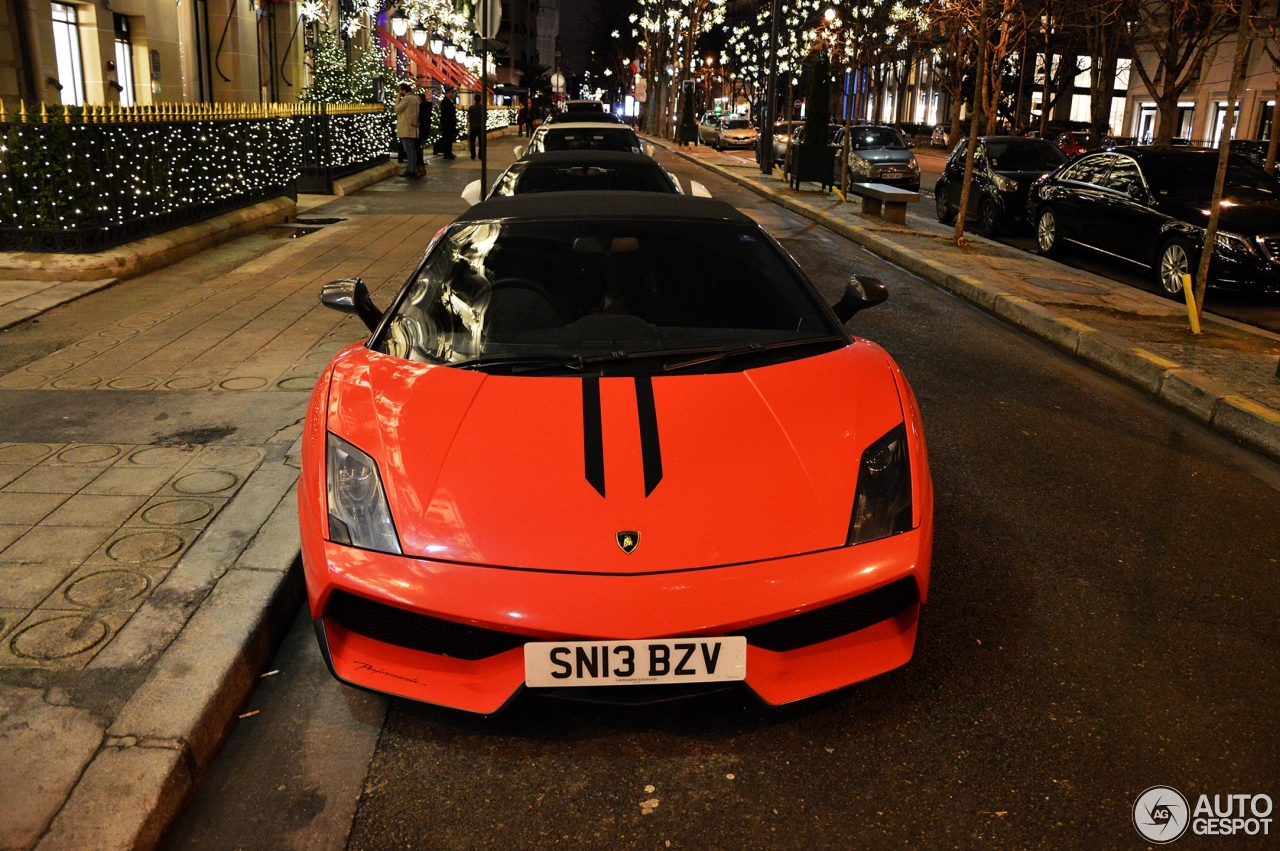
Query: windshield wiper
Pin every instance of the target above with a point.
(574, 362)
(750, 349)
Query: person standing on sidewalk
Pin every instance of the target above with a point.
(448, 124)
(476, 121)
(407, 128)
(524, 119)
(425, 107)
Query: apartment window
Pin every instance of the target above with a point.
(124, 61)
(1123, 69)
(1220, 119)
(66, 44)
(1266, 120)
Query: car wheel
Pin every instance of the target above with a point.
(1175, 261)
(1048, 242)
(946, 215)
(988, 219)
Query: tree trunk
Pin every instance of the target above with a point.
(1167, 110)
(1102, 76)
(980, 81)
(1044, 88)
(1275, 129)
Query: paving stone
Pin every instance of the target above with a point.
(66, 543)
(94, 510)
(187, 511)
(87, 454)
(43, 749)
(26, 453)
(9, 534)
(278, 541)
(59, 639)
(123, 801)
(98, 587)
(159, 456)
(9, 472)
(132, 480)
(28, 509)
(42, 479)
(25, 586)
(152, 547)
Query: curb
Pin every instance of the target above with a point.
(145, 255)
(171, 729)
(353, 183)
(1187, 390)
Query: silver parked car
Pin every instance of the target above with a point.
(879, 154)
(708, 129)
(735, 132)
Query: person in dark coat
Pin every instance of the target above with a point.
(448, 125)
(524, 119)
(424, 125)
(476, 120)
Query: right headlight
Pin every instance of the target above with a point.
(858, 165)
(882, 505)
(358, 512)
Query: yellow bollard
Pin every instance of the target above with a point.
(1190, 296)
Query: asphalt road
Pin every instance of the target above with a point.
(1102, 619)
(1262, 311)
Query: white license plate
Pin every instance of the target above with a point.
(618, 663)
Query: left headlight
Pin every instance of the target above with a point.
(1232, 243)
(882, 506)
(358, 512)
(1004, 184)
(858, 165)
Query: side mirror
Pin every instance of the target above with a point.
(1137, 192)
(697, 190)
(859, 294)
(472, 194)
(519, 151)
(350, 295)
(647, 149)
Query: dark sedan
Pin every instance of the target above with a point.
(580, 171)
(1150, 207)
(1004, 168)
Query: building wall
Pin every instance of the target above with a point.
(548, 31)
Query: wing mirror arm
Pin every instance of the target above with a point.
(350, 295)
(859, 294)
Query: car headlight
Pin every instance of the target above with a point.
(914, 166)
(1232, 244)
(882, 506)
(858, 165)
(358, 513)
(1003, 183)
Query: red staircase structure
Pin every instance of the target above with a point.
(446, 71)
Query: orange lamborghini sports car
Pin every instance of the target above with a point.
(612, 446)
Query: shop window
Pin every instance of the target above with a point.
(66, 43)
(124, 61)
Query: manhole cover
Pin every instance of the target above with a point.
(227, 456)
(1064, 285)
(246, 382)
(108, 588)
(188, 382)
(60, 637)
(88, 454)
(160, 456)
(144, 547)
(177, 511)
(132, 382)
(330, 221)
(77, 382)
(19, 452)
(296, 383)
(209, 481)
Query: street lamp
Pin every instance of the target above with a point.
(437, 43)
(419, 35)
(399, 23)
(449, 50)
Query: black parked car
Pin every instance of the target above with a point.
(1003, 169)
(1150, 207)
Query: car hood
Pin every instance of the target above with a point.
(884, 155)
(1247, 218)
(494, 470)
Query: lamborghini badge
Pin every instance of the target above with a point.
(628, 541)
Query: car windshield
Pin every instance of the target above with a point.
(737, 124)
(523, 179)
(542, 296)
(586, 139)
(1190, 178)
(874, 138)
(1023, 155)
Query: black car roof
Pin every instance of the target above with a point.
(605, 205)
(1151, 153)
(583, 158)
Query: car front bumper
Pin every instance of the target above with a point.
(737, 143)
(548, 606)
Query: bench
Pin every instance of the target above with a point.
(887, 201)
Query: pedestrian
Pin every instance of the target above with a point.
(524, 119)
(476, 120)
(407, 128)
(448, 124)
(425, 106)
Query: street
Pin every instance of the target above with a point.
(1101, 619)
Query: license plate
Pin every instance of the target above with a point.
(549, 664)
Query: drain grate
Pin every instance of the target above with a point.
(332, 221)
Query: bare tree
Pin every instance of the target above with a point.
(1176, 35)
(950, 38)
(1266, 29)
(1104, 38)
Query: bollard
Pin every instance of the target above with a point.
(1192, 313)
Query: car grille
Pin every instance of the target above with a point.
(835, 620)
(402, 628)
(1271, 246)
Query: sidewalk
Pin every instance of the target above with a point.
(1226, 377)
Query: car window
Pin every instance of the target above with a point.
(1023, 155)
(568, 288)
(737, 124)
(1190, 178)
(1091, 170)
(876, 138)
(1124, 174)
(585, 139)
(542, 178)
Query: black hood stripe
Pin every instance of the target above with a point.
(650, 445)
(593, 433)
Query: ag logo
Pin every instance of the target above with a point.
(1161, 815)
(628, 541)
